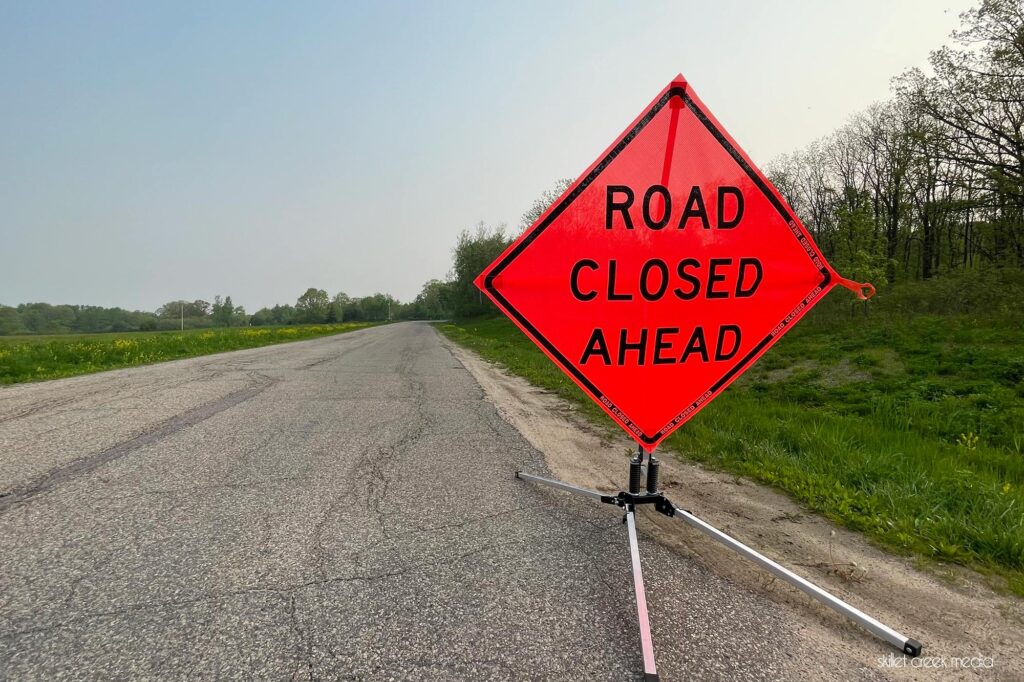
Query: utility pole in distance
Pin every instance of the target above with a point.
(182, 315)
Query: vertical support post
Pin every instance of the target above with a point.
(636, 472)
(653, 467)
(646, 642)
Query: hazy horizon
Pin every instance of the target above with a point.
(154, 153)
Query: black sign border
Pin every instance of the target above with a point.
(778, 329)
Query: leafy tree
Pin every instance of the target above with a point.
(238, 317)
(284, 314)
(339, 303)
(434, 302)
(43, 318)
(377, 308)
(313, 306)
(224, 313)
(262, 317)
(191, 309)
(541, 203)
(474, 252)
(10, 321)
(278, 315)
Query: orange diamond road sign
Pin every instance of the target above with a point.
(667, 269)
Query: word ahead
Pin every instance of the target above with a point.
(664, 272)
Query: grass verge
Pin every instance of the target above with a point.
(37, 358)
(907, 429)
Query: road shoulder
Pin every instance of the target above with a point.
(955, 614)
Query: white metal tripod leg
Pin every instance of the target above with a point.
(646, 643)
(564, 486)
(909, 646)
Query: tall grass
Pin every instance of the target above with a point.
(907, 427)
(35, 358)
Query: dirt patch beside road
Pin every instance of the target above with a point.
(968, 631)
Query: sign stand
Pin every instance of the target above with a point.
(628, 501)
(671, 263)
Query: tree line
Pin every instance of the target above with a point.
(928, 185)
(930, 182)
(312, 307)
(315, 306)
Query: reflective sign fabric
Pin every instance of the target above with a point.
(663, 272)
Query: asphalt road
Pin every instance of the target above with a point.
(343, 508)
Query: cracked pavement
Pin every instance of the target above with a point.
(342, 508)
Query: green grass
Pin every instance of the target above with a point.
(36, 358)
(906, 428)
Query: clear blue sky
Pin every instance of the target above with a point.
(154, 151)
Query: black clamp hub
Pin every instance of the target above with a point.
(630, 500)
